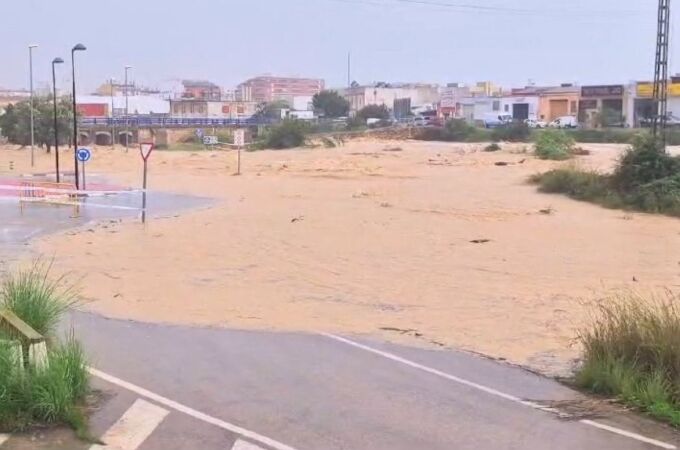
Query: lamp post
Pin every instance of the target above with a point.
(77, 48)
(30, 69)
(127, 119)
(56, 123)
(113, 119)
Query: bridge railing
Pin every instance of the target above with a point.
(169, 122)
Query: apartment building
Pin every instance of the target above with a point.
(268, 89)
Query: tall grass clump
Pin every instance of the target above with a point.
(631, 350)
(289, 133)
(555, 145)
(36, 298)
(48, 393)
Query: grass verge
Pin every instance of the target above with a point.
(631, 351)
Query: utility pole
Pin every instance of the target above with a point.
(113, 119)
(127, 119)
(661, 73)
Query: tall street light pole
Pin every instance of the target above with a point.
(77, 48)
(30, 69)
(127, 119)
(113, 119)
(56, 123)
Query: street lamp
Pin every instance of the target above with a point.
(56, 124)
(113, 119)
(30, 68)
(127, 119)
(77, 48)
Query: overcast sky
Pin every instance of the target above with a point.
(227, 41)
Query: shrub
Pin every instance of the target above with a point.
(630, 350)
(554, 145)
(35, 298)
(493, 147)
(514, 132)
(581, 185)
(373, 112)
(644, 162)
(289, 134)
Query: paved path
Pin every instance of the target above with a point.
(173, 387)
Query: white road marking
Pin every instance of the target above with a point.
(627, 434)
(243, 445)
(4, 438)
(133, 428)
(190, 411)
(494, 392)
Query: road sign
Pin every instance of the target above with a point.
(145, 150)
(83, 154)
(240, 137)
(199, 133)
(210, 140)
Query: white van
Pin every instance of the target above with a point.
(564, 122)
(495, 120)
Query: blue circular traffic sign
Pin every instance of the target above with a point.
(83, 154)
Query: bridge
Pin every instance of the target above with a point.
(161, 129)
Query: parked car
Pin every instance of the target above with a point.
(564, 122)
(533, 123)
(671, 121)
(495, 120)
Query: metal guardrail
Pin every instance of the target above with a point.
(169, 122)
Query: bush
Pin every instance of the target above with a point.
(373, 112)
(644, 162)
(554, 145)
(289, 134)
(493, 147)
(514, 132)
(581, 185)
(35, 298)
(631, 350)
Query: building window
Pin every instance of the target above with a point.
(507, 108)
(184, 109)
(201, 109)
(573, 106)
(496, 105)
(191, 108)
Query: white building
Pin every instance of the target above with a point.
(420, 95)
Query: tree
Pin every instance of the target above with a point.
(374, 112)
(271, 110)
(15, 123)
(331, 104)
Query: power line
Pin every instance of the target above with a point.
(471, 8)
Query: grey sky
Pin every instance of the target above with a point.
(549, 41)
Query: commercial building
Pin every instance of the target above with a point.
(267, 89)
(641, 108)
(223, 109)
(107, 106)
(522, 103)
(602, 105)
(422, 96)
(558, 101)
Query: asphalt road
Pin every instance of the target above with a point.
(243, 390)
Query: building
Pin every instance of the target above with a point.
(642, 106)
(422, 96)
(107, 106)
(201, 90)
(267, 89)
(12, 96)
(522, 103)
(220, 109)
(558, 101)
(603, 105)
(451, 100)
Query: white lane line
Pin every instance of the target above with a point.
(4, 438)
(494, 392)
(190, 411)
(627, 434)
(133, 428)
(243, 445)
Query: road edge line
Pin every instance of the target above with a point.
(189, 411)
(491, 391)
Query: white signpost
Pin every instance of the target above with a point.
(83, 154)
(210, 140)
(239, 141)
(145, 150)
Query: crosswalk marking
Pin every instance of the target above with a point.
(133, 427)
(3, 438)
(243, 445)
